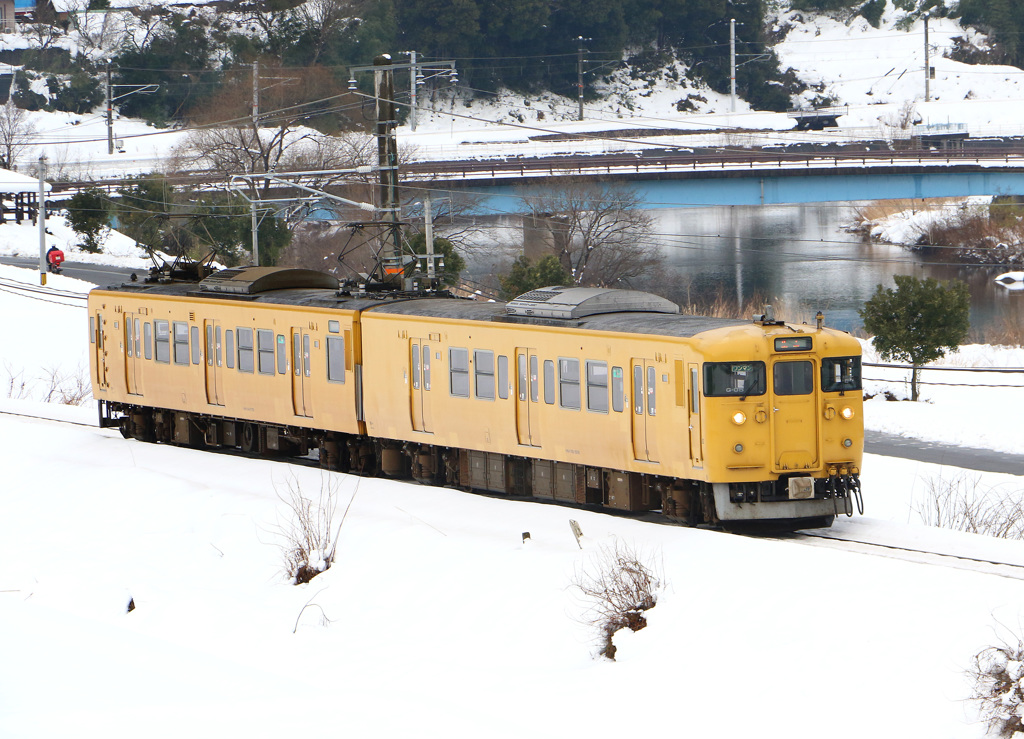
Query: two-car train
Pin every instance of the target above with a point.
(592, 396)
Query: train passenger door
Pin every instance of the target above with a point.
(693, 415)
(794, 420)
(645, 407)
(133, 353)
(214, 362)
(419, 371)
(527, 397)
(99, 341)
(302, 400)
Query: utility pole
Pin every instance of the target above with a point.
(428, 233)
(413, 75)
(387, 159)
(927, 64)
(255, 95)
(110, 113)
(41, 219)
(732, 65)
(579, 76)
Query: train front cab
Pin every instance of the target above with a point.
(787, 430)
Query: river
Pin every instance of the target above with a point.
(801, 257)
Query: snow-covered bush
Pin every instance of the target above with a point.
(310, 535)
(998, 674)
(618, 587)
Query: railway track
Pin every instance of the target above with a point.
(855, 542)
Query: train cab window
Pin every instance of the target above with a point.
(597, 386)
(839, 374)
(180, 342)
(458, 372)
(264, 351)
(229, 348)
(793, 378)
(162, 329)
(245, 350)
(282, 356)
(617, 389)
(483, 374)
(196, 346)
(549, 382)
(336, 359)
(569, 383)
(502, 377)
(147, 339)
(734, 379)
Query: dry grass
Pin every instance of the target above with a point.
(958, 504)
(619, 588)
(723, 306)
(997, 673)
(310, 534)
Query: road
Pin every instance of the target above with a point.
(968, 458)
(98, 274)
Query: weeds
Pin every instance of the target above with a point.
(959, 505)
(619, 588)
(998, 675)
(310, 536)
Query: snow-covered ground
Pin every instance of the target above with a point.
(438, 619)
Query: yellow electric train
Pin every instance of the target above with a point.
(583, 395)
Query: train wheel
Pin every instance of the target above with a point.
(250, 436)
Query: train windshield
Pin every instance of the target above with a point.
(839, 374)
(734, 379)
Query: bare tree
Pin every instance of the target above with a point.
(16, 132)
(325, 19)
(600, 232)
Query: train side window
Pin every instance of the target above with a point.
(502, 377)
(793, 378)
(483, 373)
(264, 351)
(638, 390)
(549, 382)
(597, 386)
(245, 350)
(138, 338)
(458, 372)
(296, 354)
(147, 339)
(569, 383)
(128, 338)
(92, 329)
(282, 355)
(220, 348)
(617, 389)
(229, 348)
(694, 391)
(426, 367)
(534, 380)
(335, 359)
(839, 374)
(196, 346)
(415, 366)
(162, 341)
(307, 358)
(180, 342)
(652, 384)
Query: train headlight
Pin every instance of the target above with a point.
(846, 413)
(739, 418)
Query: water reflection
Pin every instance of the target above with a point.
(801, 255)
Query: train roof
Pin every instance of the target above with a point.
(596, 309)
